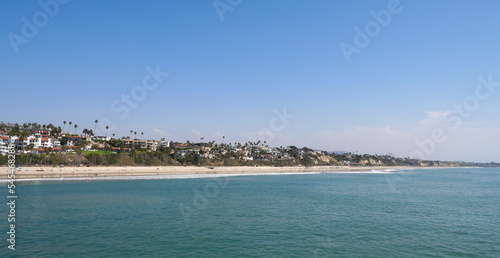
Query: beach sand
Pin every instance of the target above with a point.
(93, 172)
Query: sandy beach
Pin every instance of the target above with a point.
(97, 172)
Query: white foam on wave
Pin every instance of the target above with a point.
(385, 171)
(186, 176)
(373, 171)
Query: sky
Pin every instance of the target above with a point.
(411, 78)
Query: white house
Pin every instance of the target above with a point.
(4, 150)
(36, 141)
(4, 140)
(165, 144)
(75, 140)
(55, 142)
(101, 138)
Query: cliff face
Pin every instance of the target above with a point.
(371, 162)
(386, 160)
(327, 160)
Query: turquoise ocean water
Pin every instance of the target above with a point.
(417, 213)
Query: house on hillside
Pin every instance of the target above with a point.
(101, 138)
(4, 150)
(74, 140)
(164, 144)
(4, 140)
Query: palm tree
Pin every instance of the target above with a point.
(113, 135)
(142, 137)
(96, 121)
(131, 131)
(75, 127)
(70, 123)
(107, 127)
(132, 153)
(135, 135)
(23, 136)
(64, 122)
(30, 147)
(12, 132)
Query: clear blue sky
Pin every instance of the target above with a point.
(226, 76)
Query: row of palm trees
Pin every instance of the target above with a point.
(57, 130)
(70, 123)
(75, 126)
(135, 133)
(26, 127)
(86, 131)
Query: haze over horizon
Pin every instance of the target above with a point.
(423, 80)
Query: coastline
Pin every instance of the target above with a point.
(54, 173)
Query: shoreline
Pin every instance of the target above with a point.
(54, 173)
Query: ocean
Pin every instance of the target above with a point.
(408, 213)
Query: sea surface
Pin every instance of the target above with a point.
(410, 213)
